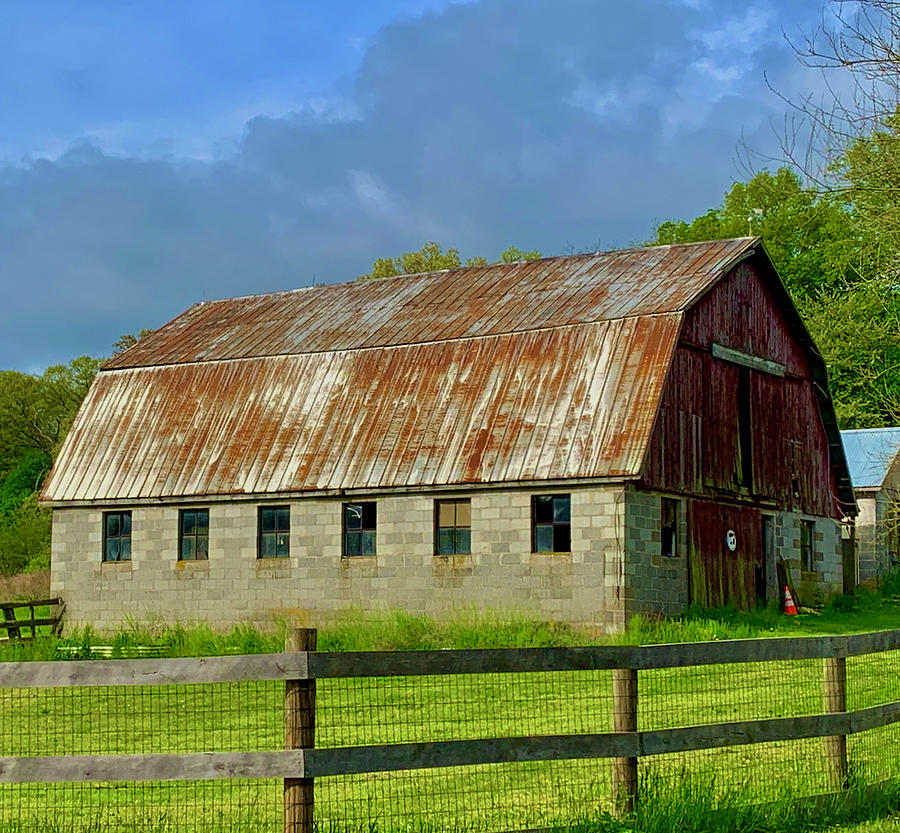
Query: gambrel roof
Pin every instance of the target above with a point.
(532, 371)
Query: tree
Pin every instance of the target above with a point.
(127, 340)
(812, 239)
(37, 411)
(857, 40)
(514, 253)
(845, 142)
(852, 310)
(431, 258)
(856, 330)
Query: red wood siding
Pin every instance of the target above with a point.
(695, 444)
(719, 576)
(740, 312)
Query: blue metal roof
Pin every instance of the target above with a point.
(870, 452)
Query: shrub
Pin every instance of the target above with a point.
(889, 584)
(25, 538)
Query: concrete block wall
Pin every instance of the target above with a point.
(654, 584)
(874, 533)
(659, 585)
(866, 538)
(826, 579)
(582, 586)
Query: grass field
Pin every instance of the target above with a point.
(684, 792)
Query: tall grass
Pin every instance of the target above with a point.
(356, 630)
(353, 631)
(25, 586)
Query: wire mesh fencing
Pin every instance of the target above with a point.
(469, 741)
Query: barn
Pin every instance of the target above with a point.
(579, 438)
(873, 457)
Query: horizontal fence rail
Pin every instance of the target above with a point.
(364, 683)
(312, 665)
(300, 763)
(15, 626)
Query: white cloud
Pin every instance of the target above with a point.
(547, 125)
(743, 34)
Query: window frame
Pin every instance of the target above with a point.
(196, 536)
(346, 531)
(121, 536)
(808, 548)
(554, 525)
(670, 529)
(261, 535)
(455, 502)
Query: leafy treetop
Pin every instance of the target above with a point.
(432, 258)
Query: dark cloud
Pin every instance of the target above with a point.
(556, 125)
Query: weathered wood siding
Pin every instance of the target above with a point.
(696, 441)
(718, 575)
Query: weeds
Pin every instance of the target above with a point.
(25, 586)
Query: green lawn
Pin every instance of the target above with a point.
(248, 716)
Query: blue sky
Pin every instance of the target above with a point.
(155, 154)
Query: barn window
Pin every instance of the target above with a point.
(193, 528)
(359, 528)
(453, 527)
(274, 532)
(117, 536)
(551, 523)
(669, 528)
(807, 539)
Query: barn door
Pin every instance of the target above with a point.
(726, 554)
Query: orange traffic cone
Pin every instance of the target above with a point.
(789, 607)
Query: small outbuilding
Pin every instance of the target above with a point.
(872, 456)
(580, 438)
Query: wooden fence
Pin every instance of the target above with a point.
(300, 666)
(18, 629)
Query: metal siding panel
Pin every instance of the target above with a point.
(870, 454)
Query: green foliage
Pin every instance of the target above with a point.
(432, 258)
(811, 239)
(127, 340)
(24, 480)
(856, 329)
(869, 169)
(37, 411)
(514, 253)
(25, 538)
(832, 258)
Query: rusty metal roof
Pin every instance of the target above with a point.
(530, 371)
(459, 303)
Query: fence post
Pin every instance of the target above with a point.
(625, 774)
(835, 690)
(299, 733)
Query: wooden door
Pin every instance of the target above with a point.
(726, 554)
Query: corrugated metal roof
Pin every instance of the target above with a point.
(870, 453)
(538, 370)
(552, 403)
(459, 303)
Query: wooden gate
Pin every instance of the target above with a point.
(720, 575)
